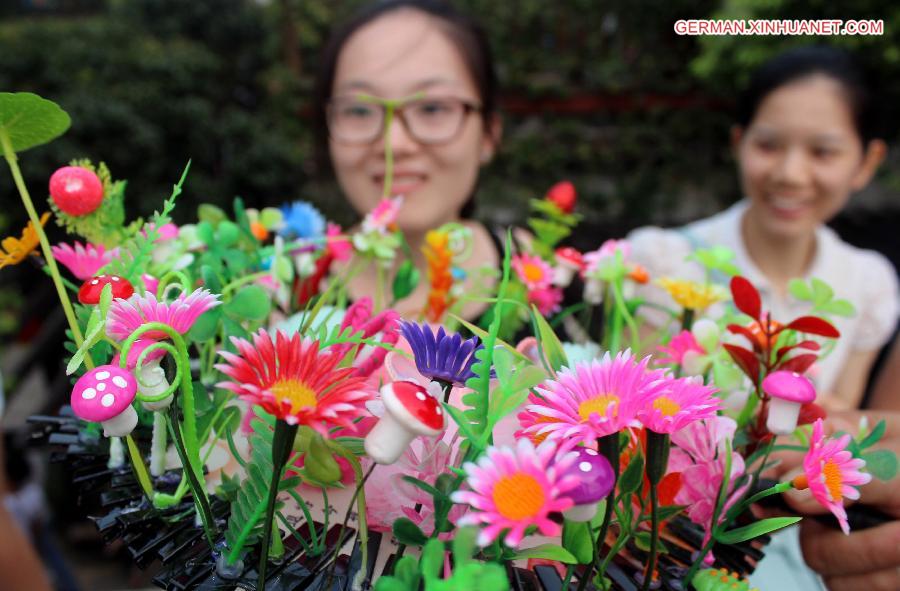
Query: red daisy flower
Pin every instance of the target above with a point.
(291, 379)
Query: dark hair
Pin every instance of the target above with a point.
(802, 62)
(465, 33)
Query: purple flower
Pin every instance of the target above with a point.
(443, 357)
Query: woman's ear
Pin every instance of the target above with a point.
(874, 155)
(491, 141)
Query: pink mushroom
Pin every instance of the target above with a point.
(104, 395)
(410, 410)
(568, 262)
(596, 478)
(788, 391)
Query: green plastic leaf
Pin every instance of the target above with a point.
(547, 551)
(875, 436)
(408, 532)
(424, 486)
(319, 464)
(206, 326)
(406, 280)
(250, 303)
(633, 476)
(211, 214)
(550, 343)
(800, 290)
(227, 233)
(270, 217)
(210, 279)
(821, 292)
(754, 530)
(642, 540)
(30, 120)
(576, 538)
(432, 562)
(457, 415)
(838, 308)
(464, 545)
(881, 463)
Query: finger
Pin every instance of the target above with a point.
(848, 421)
(883, 580)
(831, 553)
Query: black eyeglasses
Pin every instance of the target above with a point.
(361, 119)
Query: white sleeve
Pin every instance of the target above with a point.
(880, 304)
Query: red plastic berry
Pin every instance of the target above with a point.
(563, 195)
(76, 191)
(92, 288)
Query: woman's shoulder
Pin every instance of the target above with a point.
(869, 267)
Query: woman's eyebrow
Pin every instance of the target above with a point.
(363, 85)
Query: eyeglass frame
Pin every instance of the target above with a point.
(392, 106)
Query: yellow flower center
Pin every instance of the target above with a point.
(518, 496)
(667, 406)
(532, 272)
(831, 474)
(599, 405)
(297, 393)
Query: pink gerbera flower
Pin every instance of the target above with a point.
(681, 345)
(295, 381)
(384, 214)
(514, 489)
(592, 400)
(83, 261)
(596, 260)
(831, 473)
(126, 316)
(533, 271)
(547, 299)
(679, 403)
(338, 245)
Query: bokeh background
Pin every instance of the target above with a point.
(602, 93)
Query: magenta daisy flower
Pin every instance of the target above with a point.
(533, 271)
(126, 316)
(831, 473)
(594, 399)
(295, 381)
(678, 403)
(514, 489)
(83, 261)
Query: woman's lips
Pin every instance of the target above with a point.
(402, 184)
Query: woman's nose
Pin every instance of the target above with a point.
(793, 167)
(398, 135)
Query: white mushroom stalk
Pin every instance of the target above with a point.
(410, 410)
(788, 392)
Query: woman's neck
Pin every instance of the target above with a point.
(780, 258)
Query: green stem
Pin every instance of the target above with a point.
(714, 523)
(654, 536)
(625, 315)
(609, 448)
(282, 443)
(687, 319)
(12, 161)
(201, 501)
(657, 462)
(140, 470)
(243, 281)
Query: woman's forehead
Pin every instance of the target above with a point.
(399, 54)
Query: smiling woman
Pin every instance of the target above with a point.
(405, 100)
(805, 143)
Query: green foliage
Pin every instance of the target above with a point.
(29, 120)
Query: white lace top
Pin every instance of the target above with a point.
(863, 277)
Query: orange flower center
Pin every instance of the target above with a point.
(532, 272)
(831, 474)
(667, 406)
(518, 496)
(599, 405)
(297, 393)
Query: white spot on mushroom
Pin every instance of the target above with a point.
(420, 395)
(438, 410)
(107, 400)
(584, 466)
(114, 278)
(591, 452)
(89, 394)
(95, 282)
(102, 375)
(119, 381)
(101, 387)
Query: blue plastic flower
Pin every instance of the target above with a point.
(301, 220)
(443, 357)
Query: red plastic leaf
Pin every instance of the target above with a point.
(746, 298)
(746, 333)
(745, 359)
(799, 363)
(808, 345)
(809, 412)
(812, 325)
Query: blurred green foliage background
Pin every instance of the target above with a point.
(602, 93)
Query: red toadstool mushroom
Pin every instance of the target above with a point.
(568, 262)
(104, 395)
(90, 290)
(410, 410)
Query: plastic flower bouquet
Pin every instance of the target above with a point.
(234, 417)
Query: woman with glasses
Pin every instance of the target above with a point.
(412, 81)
